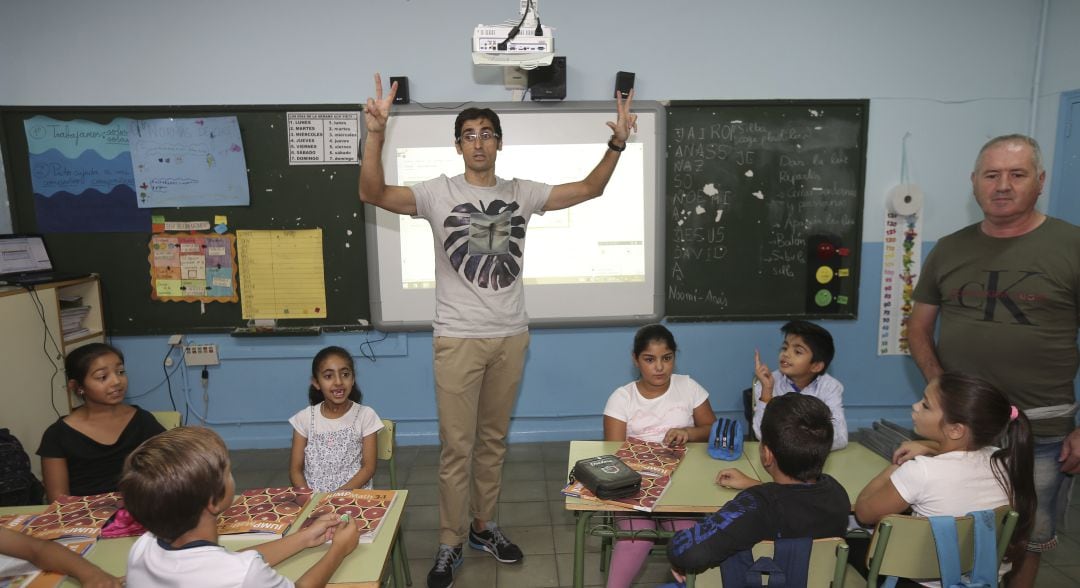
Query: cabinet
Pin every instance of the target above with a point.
(32, 349)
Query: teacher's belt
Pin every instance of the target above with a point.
(1043, 413)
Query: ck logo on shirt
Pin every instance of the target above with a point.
(486, 242)
(999, 298)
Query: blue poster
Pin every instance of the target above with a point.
(188, 162)
(82, 178)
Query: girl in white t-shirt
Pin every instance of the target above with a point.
(959, 470)
(333, 445)
(660, 406)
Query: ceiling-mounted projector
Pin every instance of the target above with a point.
(525, 43)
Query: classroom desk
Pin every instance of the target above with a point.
(692, 490)
(693, 487)
(853, 466)
(363, 568)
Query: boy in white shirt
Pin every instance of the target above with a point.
(805, 354)
(176, 484)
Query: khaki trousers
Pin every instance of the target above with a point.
(476, 385)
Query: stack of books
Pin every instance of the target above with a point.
(73, 521)
(655, 462)
(884, 438)
(366, 508)
(262, 512)
(18, 573)
(72, 316)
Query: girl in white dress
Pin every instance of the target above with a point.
(334, 439)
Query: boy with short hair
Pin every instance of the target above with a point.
(176, 484)
(805, 354)
(799, 502)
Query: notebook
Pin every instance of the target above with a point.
(25, 261)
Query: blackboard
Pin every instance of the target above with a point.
(283, 196)
(764, 209)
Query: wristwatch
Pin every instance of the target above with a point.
(611, 145)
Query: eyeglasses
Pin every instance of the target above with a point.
(484, 136)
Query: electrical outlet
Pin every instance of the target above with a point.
(196, 354)
(515, 78)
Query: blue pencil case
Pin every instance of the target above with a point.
(726, 439)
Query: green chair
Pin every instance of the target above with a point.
(387, 440)
(903, 546)
(828, 565)
(170, 419)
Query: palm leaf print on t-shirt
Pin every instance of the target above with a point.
(487, 242)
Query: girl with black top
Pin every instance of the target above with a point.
(83, 453)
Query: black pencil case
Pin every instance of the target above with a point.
(607, 477)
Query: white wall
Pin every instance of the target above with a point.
(950, 73)
(1060, 73)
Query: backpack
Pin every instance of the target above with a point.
(787, 568)
(984, 572)
(18, 486)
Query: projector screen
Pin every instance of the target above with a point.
(592, 264)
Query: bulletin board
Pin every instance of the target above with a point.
(312, 195)
(193, 267)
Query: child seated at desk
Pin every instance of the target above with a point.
(176, 485)
(805, 354)
(800, 502)
(83, 453)
(959, 470)
(334, 439)
(660, 406)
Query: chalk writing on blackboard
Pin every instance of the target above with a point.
(752, 188)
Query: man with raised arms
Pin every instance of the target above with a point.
(478, 221)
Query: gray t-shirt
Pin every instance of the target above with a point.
(479, 239)
(1009, 312)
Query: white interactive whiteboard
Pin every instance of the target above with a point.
(592, 264)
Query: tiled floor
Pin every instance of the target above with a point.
(531, 513)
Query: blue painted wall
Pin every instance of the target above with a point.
(952, 74)
(568, 376)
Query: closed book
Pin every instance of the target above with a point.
(262, 512)
(650, 458)
(16, 522)
(652, 488)
(366, 508)
(75, 516)
(17, 573)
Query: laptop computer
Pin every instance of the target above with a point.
(25, 261)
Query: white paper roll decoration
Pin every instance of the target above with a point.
(900, 266)
(905, 199)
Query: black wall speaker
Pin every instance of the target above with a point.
(624, 82)
(402, 96)
(549, 83)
